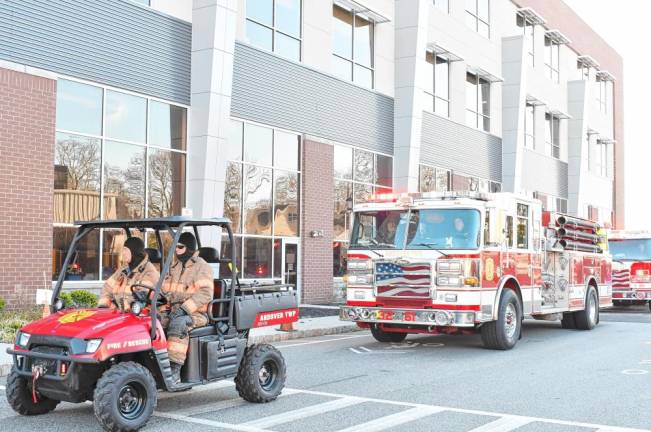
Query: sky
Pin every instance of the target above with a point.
(624, 25)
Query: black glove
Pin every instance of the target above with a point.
(177, 313)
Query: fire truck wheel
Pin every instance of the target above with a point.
(568, 321)
(588, 318)
(504, 333)
(262, 374)
(382, 336)
(19, 396)
(125, 397)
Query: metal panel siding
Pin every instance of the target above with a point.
(285, 94)
(458, 147)
(542, 173)
(113, 42)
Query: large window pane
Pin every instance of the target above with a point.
(258, 144)
(483, 9)
(442, 180)
(363, 37)
(257, 258)
(471, 92)
(257, 200)
(233, 151)
(167, 125)
(342, 68)
(85, 264)
(342, 32)
(364, 166)
(288, 47)
(166, 183)
(461, 183)
(343, 192)
(126, 116)
(339, 254)
(427, 178)
(384, 170)
(258, 35)
(288, 16)
(79, 107)
(428, 86)
(124, 181)
(442, 77)
(363, 76)
(286, 150)
(76, 178)
(343, 161)
(260, 10)
(362, 193)
(233, 195)
(485, 97)
(286, 201)
(112, 242)
(225, 271)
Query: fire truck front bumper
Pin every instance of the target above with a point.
(424, 317)
(635, 294)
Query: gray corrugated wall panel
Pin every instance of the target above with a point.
(458, 147)
(274, 91)
(113, 42)
(542, 173)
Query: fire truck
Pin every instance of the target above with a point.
(631, 252)
(455, 262)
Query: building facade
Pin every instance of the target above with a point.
(282, 114)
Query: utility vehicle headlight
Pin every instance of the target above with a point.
(136, 308)
(92, 345)
(23, 339)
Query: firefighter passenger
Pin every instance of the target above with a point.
(137, 270)
(188, 288)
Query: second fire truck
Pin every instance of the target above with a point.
(631, 251)
(470, 262)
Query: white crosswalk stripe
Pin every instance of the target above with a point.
(309, 411)
(504, 424)
(386, 422)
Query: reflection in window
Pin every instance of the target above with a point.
(166, 183)
(275, 25)
(126, 116)
(124, 181)
(552, 135)
(167, 125)
(352, 43)
(286, 203)
(477, 102)
(233, 149)
(362, 193)
(343, 161)
(437, 98)
(433, 179)
(112, 242)
(286, 150)
(225, 271)
(363, 166)
(79, 107)
(343, 192)
(339, 251)
(76, 178)
(85, 265)
(257, 258)
(478, 16)
(233, 195)
(523, 226)
(257, 200)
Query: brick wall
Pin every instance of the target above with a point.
(27, 121)
(317, 214)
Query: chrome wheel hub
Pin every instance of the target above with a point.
(510, 320)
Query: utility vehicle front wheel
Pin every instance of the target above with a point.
(125, 397)
(384, 336)
(19, 396)
(262, 374)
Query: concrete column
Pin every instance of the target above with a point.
(213, 46)
(411, 21)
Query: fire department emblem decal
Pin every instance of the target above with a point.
(73, 317)
(490, 269)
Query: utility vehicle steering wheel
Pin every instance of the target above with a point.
(146, 298)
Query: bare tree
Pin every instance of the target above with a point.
(81, 157)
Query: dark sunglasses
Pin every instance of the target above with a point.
(180, 246)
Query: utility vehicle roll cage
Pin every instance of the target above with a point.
(174, 225)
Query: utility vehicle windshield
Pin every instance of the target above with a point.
(630, 250)
(417, 229)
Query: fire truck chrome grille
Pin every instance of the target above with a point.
(400, 279)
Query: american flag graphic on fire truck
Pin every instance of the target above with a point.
(402, 280)
(621, 278)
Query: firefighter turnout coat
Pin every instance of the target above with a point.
(117, 288)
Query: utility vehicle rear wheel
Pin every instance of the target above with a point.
(125, 397)
(384, 336)
(262, 374)
(504, 333)
(19, 396)
(588, 318)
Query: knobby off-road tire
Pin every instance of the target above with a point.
(19, 396)
(588, 318)
(262, 374)
(504, 333)
(383, 336)
(125, 397)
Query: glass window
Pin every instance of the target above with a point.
(233, 195)
(225, 271)
(258, 144)
(478, 16)
(552, 135)
(275, 25)
(259, 35)
(343, 161)
(362, 76)
(257, 258)
(477, 102)
(437, 85)
(384, 170)
(523, 226)
(342, 32)
(352, 42)
(363, 38)
(124, 181)
(126, 116)
(76, 178)
(509, 231)
(257, 200)
(288, 17)
(339, 258)
(233, 151)
(112, 242)
(342, 68)
(528, 30)
(343, 194)
(427, 178)
(286, 202)
(79, 107)
(167, 125)
(364, 170)
(442, 4)
(261, 11)
(442, 180)
(286, 150)
(166, 183)
(552, 60)
(85, 265)
(362, 193)
(529, 126)
(288, 47)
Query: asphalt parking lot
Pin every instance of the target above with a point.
(555, 380)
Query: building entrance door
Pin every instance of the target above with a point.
(290, 263)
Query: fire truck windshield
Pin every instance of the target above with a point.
(438, 229)
(630, 249)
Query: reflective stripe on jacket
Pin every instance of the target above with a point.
(118, 286)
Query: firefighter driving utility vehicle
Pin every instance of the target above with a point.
(461, 262)
(172, 331)
(631, 251)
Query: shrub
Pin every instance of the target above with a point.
(11, 322)
(3, 303)
(79, 299)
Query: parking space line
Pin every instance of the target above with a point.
(224, 404)
(392, 420)
(504, 424)
(321, 341)
(309, 411)
(212, 423)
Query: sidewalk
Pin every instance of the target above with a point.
(305, 327)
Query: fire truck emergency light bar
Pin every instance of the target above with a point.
(407, 198)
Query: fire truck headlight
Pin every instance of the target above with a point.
(360, 265)
(359, 279)
(450, 298)
(447, 266)
(448, 281)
